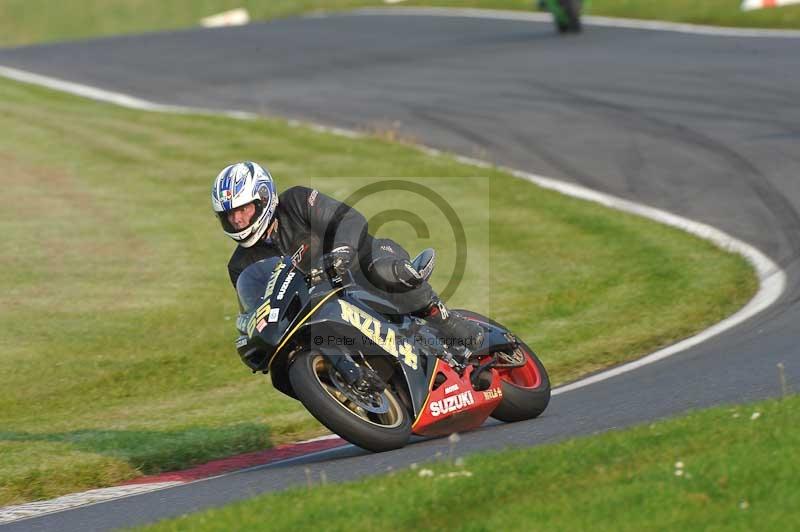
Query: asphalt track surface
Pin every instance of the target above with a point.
(706, 127)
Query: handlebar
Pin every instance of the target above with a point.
(337, 279)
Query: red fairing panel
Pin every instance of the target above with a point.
(455, 406)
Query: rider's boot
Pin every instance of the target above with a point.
(458, 333)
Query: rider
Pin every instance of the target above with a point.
(308, 225)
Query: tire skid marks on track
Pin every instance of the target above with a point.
(656, 127)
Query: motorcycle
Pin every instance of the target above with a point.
(300, 327)
(566, 14)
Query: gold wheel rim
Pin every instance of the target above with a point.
(393, 417)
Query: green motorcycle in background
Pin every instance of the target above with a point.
(566, 14)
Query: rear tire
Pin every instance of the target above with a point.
(526, 390)
(522, 402)
(374, 432)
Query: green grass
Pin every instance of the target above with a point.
(31, 21)
(713, 12)
(116, 313)
(712, 470)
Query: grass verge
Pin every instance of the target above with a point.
(721, 469)
(23, 21)
(116, 314)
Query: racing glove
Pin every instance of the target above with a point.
(338, 260)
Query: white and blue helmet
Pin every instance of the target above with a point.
(240, 184)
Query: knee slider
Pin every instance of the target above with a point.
(394, 275)
(406, 274)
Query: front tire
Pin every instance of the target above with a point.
(311, 377)
(526, 390)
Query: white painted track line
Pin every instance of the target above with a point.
(117, 98)
(66, 502)
(772, 279)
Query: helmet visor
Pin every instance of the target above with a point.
(225, 218)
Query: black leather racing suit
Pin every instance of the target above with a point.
(312, 224)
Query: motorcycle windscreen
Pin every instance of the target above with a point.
(252, 283)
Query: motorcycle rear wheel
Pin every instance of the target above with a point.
(526, 390)
(310, 375)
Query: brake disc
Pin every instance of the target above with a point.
(374, 402)
(515, 359)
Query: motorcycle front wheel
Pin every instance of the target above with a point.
(374, 421)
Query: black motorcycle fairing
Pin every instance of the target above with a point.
(273, 294)
(252, 281)
(287, 316)
(379, 304)
(330, 325)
